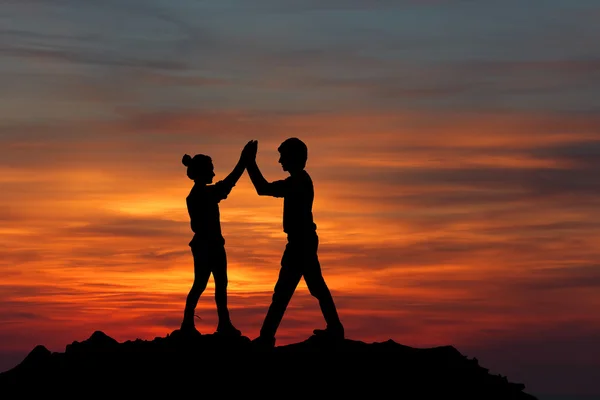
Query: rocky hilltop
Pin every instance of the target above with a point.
(205, 366)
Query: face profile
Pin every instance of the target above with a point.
(208, 174)
(200, 168)
(293, 155)
(285, 161)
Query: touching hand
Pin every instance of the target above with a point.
(249, 152)
(245, 156)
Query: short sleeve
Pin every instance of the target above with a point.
(278, 188)
(219, 191)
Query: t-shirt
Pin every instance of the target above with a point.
(298, 195)
(203, 209)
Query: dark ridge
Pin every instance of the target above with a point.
(214, 365)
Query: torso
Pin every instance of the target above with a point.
(205, 219)
(297, 206)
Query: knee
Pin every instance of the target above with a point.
(318, 289)
(221, 282)
(282, 293)
(198, 287)
(221, 288)
(314, 292)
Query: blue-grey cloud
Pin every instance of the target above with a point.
(345, 55)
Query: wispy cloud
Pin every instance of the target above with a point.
(454, 155)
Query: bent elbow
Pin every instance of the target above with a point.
(260, 188)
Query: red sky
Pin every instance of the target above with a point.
(432, 231)
(456, 173)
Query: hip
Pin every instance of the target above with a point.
(304, 242)
(206, 241)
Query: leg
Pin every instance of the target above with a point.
(201, 275)
(318, 288)
(289, 277)
(219, 262)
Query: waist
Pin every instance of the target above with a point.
(302, 236)
(293, 227)
(207, 240)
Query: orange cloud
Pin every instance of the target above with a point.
(435, 229)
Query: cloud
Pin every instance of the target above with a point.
(129, 227)
(563, 279)
(454, 161)
(181, 56)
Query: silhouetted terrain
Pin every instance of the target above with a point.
(209, 365)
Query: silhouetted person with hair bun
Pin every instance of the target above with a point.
(300, 256)
(208, 244)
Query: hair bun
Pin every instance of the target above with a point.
(186, 160)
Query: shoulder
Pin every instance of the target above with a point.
(305, 176)
(197, 191)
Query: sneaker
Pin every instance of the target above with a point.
(264, 342)
(228, 330)
(188, 328)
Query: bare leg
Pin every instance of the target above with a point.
(220, 275)
(201, 276)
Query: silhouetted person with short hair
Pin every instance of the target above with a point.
(208, 244)
(300, 257)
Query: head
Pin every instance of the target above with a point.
(293, 155)
(199, 168)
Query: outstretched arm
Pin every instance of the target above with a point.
(235, 174)
(225, 186)
(262, 186)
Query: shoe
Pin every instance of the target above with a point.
(228, 330)
(330, 333)
(264, 342)
(189, 329)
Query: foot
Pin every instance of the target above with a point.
(228, 330)
(331, 333)
(188, 328)
(264, 342)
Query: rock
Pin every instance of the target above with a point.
(215, 365)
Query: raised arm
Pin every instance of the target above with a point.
(224, 187)
(236, 173)
(262, 186)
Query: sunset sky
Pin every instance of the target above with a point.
(454, 147)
